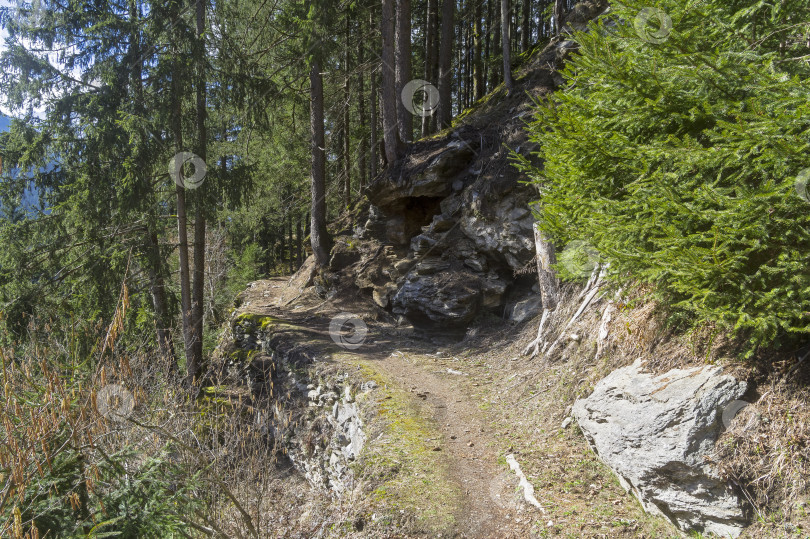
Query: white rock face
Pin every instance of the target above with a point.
(655, 432)
(329, 467)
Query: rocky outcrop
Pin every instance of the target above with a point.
(433, 295)
(465, 230)
(309, 412)
(454, 212)
(330, 434)
(657, 433)
(432, 178)
(508, 238)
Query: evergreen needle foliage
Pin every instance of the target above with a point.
(679, 160)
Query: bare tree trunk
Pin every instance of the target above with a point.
(361, 95)
(546, 258)
(478, 63)
(290, 243)
(155, 263)
(549, 288)
(496, 26)
(403, 69)
(319, 237)
(182, 230)
(507, 60)
(525, 25)
(198, 290)
(389, 88)
(299, 243)
(445, 58)
(375, 159)
(559, 7)
(430, 56)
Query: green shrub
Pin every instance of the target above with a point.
(66, 472)
(678, 158)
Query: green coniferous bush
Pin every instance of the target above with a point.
(678, 150)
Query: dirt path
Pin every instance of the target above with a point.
(488, 492)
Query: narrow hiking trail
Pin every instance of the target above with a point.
(464, 446)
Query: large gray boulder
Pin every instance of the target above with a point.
(657, 433)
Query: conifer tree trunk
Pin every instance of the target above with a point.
(559, 7)
(468, 75)
(361, 95)
(290, 243)
(319, 237)
(478, 64)
(347, 147)
(182, 225)
(445, 59)
(198, 290)
(430, 56)
(460, 64)
(487, 47)
(375, 159)
(155, 264)
(389, 89)
(525, 25)
(182, 237)
(507, 61)
(403, 68)
(299, 243)
(159, 303)
(496, 42)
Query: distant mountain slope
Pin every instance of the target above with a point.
(30, 198)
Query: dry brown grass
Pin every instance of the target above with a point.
(766, 452)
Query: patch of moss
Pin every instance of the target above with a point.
(251, 323)
(240, 355)
(255, 320)
(410, 476)
(477, 106)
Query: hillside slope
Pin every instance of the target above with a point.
(439, 264)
